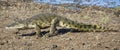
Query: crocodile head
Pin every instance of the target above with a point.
(15, 25)
(20, 25)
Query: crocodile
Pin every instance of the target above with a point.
(51, 20)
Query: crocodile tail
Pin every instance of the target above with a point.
(101, 28)
(85, 27)
(94, 28)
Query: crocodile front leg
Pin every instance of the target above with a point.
(38, 31)
(53, 28)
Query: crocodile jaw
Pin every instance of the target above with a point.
(15, 26)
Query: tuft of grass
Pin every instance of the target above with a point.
(104, 19)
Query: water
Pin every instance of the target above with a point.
(104, 3)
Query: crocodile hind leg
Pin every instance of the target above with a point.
(53, 28)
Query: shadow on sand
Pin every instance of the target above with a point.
(59, 32)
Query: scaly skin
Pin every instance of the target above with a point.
(45, 20)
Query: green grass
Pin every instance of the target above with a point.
(117, 8)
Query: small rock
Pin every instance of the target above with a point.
(2, 43)
(106, 47)
(83, 43)
(116, 49)
(72, 48)
(54, 46)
